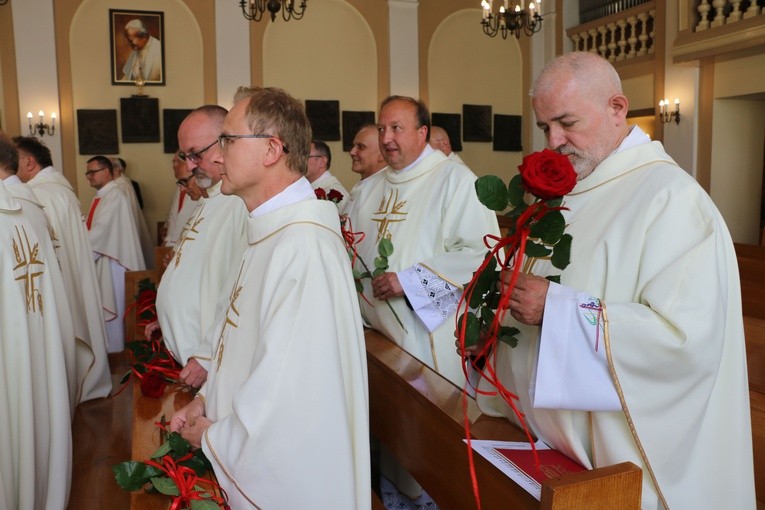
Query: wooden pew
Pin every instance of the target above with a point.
(418, 416)
(754, 330)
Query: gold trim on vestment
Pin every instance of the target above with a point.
(444, 278)
(225, 471)
(433, 352)
(623, 402)
(297, 223)
(653, 162)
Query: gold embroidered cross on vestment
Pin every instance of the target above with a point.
(390, 210)
(28, 267)
(229, 321)
(189, 230)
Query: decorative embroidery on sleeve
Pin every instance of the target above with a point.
(592, 312)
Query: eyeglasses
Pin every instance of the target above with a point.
(315, 156)
(91, 173)
(183, 182)
(225, 140)
(195, 157)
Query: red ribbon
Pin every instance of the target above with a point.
(351, 239)
(186, 480)
(514, 246)
(92, 211)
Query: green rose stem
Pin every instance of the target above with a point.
(366, 268)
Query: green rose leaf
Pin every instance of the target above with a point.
(197, 464)
(381, 262)
(359, 286)
(536, 250)
(561, 256)
(507, 335)
(204, 504)
(554, 278)
(385, 247)
(486, 283)
(179, 445)
(356, 274)
(549, 228)
(165, 485)
(472, 329)
(515, 191)
(163, 450)
(377, 272)
(132, 475)
(492, 192)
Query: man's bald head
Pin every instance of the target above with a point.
(439, 139)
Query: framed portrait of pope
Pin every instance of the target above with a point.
(137, 47)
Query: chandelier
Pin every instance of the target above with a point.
(514, 21)
(253, 10)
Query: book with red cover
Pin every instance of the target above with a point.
(516, 460)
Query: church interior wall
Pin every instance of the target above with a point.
(209, 60)
(147, 162)
(459, 57)
(737, 168)
(342, 67)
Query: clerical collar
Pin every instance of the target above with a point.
(425, 153)
(12, 179)
(48, 170)
(105, 188)
(635, 137)
(296, 192)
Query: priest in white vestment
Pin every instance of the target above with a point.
(116, 245)
(318, 174)
(202, 268)
(427, 207)
(70, 238)
(638, 355)
(144, 234)
(36, 438)
(182, 206)
(286, 396)
(439, 140)
(366, 159)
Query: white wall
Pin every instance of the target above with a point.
(737, 165)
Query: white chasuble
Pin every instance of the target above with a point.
(206, 259)
(182, 208)
(433, 217)
(649, 244)
(287, 387)
(70, 238)
(144, 234)
(35, 420)
(116, 249)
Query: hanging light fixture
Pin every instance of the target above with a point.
(253, 10)
(511, 20)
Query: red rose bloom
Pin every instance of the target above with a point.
(547, 174)
(320, 193)
(153, 384)
(335, 196)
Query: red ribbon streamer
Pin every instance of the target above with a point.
(186, 480)
(514, 247)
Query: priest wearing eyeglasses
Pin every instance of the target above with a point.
(211, 243)
(283, 416)
(115, 242)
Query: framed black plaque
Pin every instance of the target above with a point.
(507, 133)
(97, 132)
(451, 123)
(476, 123)
(171, 120)
(324, 117)
(140, 119)
(352, 121)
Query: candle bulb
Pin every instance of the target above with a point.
(677, 104)
(42, 115)
(53, 119)
(661, 106)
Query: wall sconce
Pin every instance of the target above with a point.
(667, 116)
(41, 127)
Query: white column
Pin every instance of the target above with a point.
(232, 44)
(404, 48)
(36, 67)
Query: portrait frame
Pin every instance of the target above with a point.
(121, 51)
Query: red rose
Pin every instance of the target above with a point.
(153, 384)
(547, 174)
(320, 193)
(147, 296)
(335, 196)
